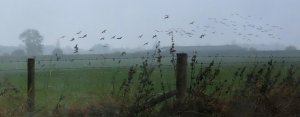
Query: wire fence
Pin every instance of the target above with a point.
(105, 62)
(129, 58)
(58, 58)
(64, 84)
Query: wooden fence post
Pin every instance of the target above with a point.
(30, 86)
(181, 76)
(181, 88)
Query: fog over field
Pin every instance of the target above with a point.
(149, 58)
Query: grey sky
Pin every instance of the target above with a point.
(130, 18)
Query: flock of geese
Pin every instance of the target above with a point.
(243, 28)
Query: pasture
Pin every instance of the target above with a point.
(73, 81)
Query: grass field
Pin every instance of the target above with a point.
(81, 80)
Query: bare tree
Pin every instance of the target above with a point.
(33, 42)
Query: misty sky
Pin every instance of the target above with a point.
(131, 18)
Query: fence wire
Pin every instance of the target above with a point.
(52, 59)
(40, 66)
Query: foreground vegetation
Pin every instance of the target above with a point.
(218, 86)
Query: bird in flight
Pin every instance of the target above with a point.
(84, 36)
(201, 36)
(146, 43)
(78, 32)
(119, 37)
(76, 48)
(103, 31)
(192, 22)
(154, 36)
(72, 39)
(141, 36)
(166, 17)
(102, 38)
(113, 37)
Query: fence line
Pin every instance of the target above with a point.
(246, 58)
(181, 77)
(126, 67)
(151, 57)
(259, 62)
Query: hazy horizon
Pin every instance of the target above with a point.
(129, 19)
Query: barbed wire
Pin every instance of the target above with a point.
(66, 68)
(142, 58)
(258, 62)
(165, 66)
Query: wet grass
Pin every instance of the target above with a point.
(83, 86)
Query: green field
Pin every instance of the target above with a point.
(82, 79)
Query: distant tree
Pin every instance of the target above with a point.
(33, 42)
(18, 52)
(290, 48)
(57, 51)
